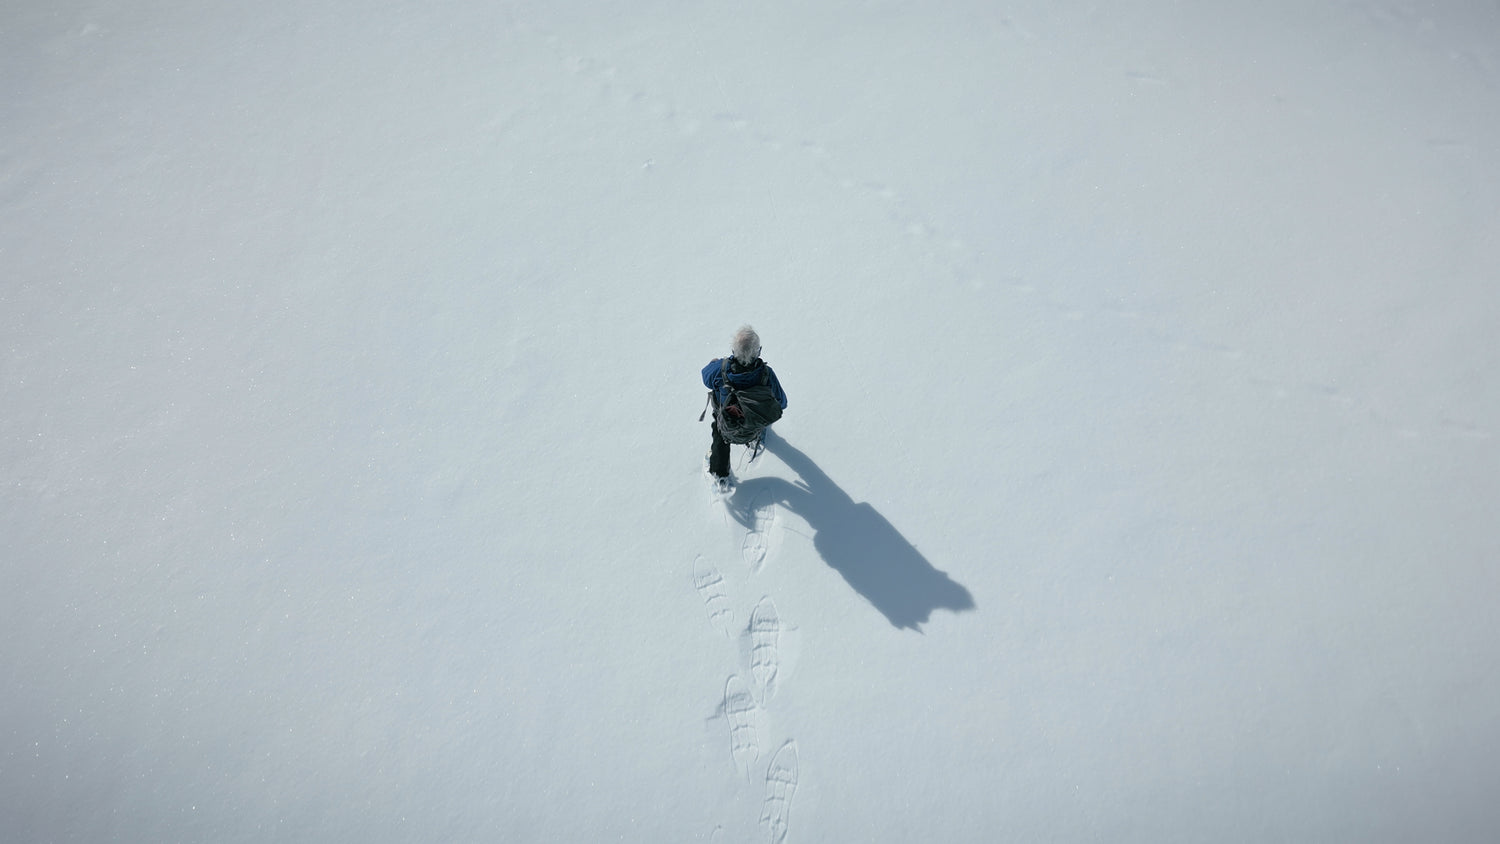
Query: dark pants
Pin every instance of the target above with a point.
(718, 455)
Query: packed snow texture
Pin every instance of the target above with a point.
(1138, 482)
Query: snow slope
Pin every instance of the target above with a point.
(1137, 484)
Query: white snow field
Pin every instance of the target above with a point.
(1139, 481)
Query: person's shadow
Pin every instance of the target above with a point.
(857, 542)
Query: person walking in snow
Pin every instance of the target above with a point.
(746, 397)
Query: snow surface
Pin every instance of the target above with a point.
(1138, 484)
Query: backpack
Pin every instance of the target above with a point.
(749, 410)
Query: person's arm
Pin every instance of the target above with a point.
(713, 375)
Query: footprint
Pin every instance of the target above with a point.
(710, 585)
(758, 518)
(740, 711)
(764, 510)
(754, 550)
(781, 784)
(765, 655)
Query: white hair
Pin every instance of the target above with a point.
(746, 345)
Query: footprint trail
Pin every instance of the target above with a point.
(765, 656)
(710, 586)
(740, 711)
(760, 517)
(781, 784)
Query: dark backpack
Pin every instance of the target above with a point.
(747, 412)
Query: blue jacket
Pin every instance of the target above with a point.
(713, 378)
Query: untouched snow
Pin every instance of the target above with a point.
(1138, 483)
